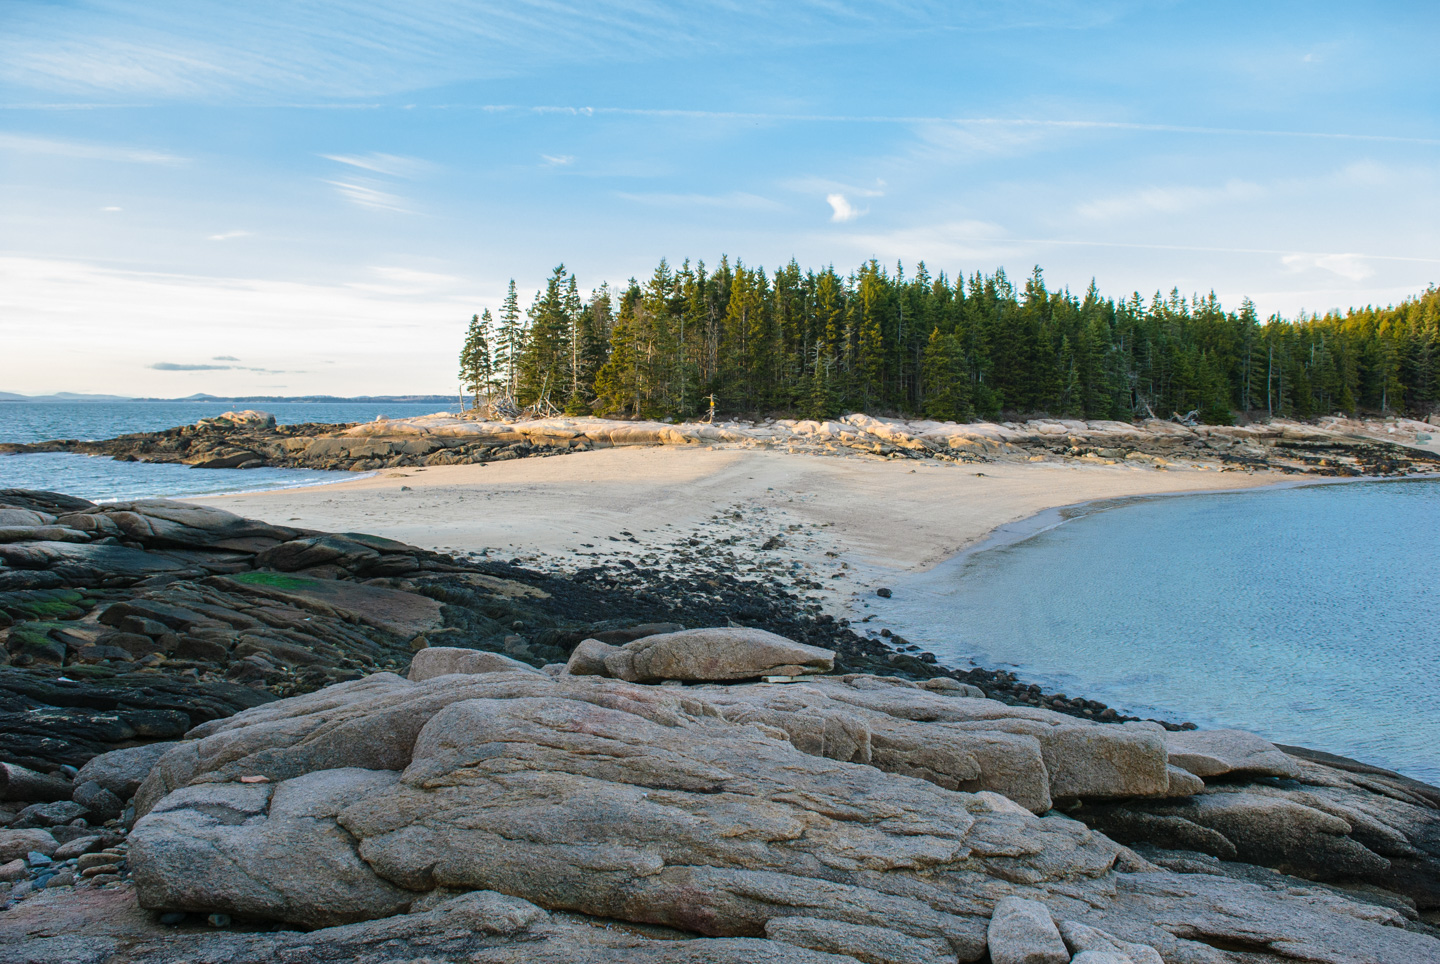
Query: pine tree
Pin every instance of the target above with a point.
(511, 338)
(477, 369)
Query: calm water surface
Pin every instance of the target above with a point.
(1310, 615)
(101, 479)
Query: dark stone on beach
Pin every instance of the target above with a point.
(101, 803)
(884, 593)
(51, 814)
(21, 783)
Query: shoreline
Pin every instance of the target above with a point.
(835, 517)
(1051, 517)
(919, 596)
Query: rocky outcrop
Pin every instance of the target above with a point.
(834, 817)
(1330, 446)
(1321, 822)
(652, 806)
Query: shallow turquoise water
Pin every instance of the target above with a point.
(101, 479)
(1310, 615)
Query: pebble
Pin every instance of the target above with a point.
(14, 870)
(99, 869)
(65, 878)
(86, 861)
(218, 920)
(37, 859)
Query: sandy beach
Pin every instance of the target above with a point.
(861, 519)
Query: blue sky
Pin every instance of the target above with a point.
(282, 198)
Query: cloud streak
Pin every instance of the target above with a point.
(347, 48)
(996, 123)
(392, 165)
(368, 194)
(85, 150)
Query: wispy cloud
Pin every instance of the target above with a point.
(182, 367)
(558, 160)
(963, 127)
(1352, 267)
(732, 200)
(165, 366)
(112, 208)
(85, 150)
(392, 165)
(1168, 200)
(822, 185)
(347, 49)
(842, 209)
(228, 235)
(369, 194)
(401, 282)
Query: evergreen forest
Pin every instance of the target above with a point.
(817, 344)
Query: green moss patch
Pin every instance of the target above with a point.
(275, 580)
(44, 604)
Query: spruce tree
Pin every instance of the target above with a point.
(476, 366)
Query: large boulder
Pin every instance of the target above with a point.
(122, 771)
(248, 419)
(1032, 756)
(262, 851)
(716, 654)
(1022, 932)
(1229, 753)
(436, 661)
(18, 843)
(22, 783)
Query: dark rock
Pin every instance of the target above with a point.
(122, 771)
(101, 803)
(19, 783)
(52, 814)
(884, 593)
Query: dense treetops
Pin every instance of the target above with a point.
(815, 343)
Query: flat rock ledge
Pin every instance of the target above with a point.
(734, 821)
(1327, 446)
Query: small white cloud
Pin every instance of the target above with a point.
(1352, 267)
(226, 236)
(112, 208)
(558, 160)
(842, 209)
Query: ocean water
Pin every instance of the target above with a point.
(101, 479)
(1309, 615)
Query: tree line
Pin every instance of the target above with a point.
(817, 344)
